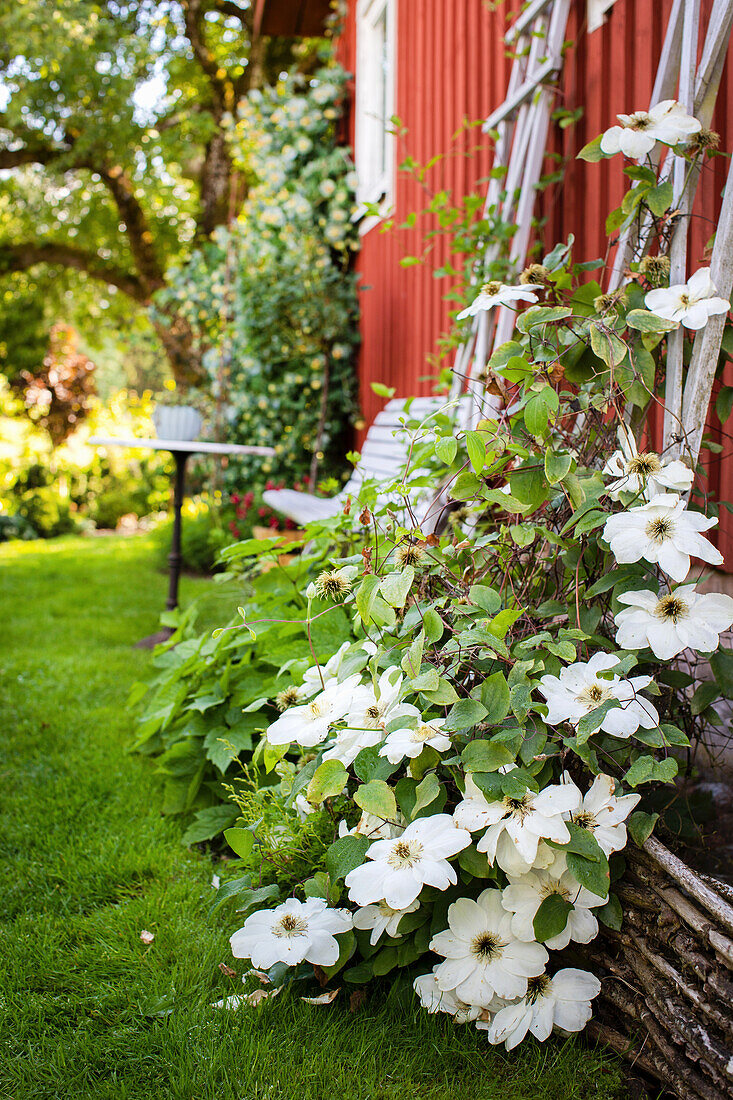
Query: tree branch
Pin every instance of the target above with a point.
(21, 257)
(16, 158)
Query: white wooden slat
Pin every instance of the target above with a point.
(706, 349)
(523, 93)
(683, 195)
(523, 22)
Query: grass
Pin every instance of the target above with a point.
(86, 862)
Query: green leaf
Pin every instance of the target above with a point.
(240, 841)
(445, 450)
(376, 797)
(641, 826)
(433, 626)
(721, 663)
(582, 843)
(209, 823)
(366, 594)
(464, 714)
(246, 897)
(486, 756)
(395, 587)
(345, 854)
(607, 345)
(476, 448)
(705, 695)
(383, 391)
(551, 917)
(412, 660)
(488, 599)
(495, 697)
(557, 466)
(659, 198)
(595, 876)
(540, 315)
(370, 765)
(592, 151)
(594, 719)
(502, 623)
(426, 792)
(640, 771)
(465, 487)
(538, 410)
(476, 863)
(644, 321)
(445, 695)
(611, 914)
(329, 780)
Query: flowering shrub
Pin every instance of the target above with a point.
(517, 681)
(271, 299)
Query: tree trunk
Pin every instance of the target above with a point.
(181, 351)
(667, 976)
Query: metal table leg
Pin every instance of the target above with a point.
(174, 558)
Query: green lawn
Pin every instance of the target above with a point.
(87, 862)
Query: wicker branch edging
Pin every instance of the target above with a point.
(667, 997)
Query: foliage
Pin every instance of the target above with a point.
(271, 300)
(114, 126)
(46, 491)
(60, 396)
(210, 699)
(88, 863)
(480, 746)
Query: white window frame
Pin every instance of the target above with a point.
(374, 152)
(597, 13)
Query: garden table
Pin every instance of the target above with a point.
(180, 449)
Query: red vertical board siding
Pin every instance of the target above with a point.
(451, 64)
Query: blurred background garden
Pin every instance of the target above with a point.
(170, 233)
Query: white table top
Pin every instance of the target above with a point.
(186, 445)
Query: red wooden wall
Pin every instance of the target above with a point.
(451, 64)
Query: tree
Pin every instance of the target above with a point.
(113, 139)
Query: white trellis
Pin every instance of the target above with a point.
(521, 124)
(685, 407)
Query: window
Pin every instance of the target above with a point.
(375, 101)
(597, 13)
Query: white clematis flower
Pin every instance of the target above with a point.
(435, 999)
(637, 135)
(410, 742)
(368, 714)
(691, 304)
(382, 918)
(524, 895)
(670, 624)
(662, 532)
(396, 870)
(644, 472)
(318, 677)
(309, 724)
(483, 959)
(294, 931)
(520, 823)
(601, 812)
(563, 1001)
(579, 689)
(499, 294)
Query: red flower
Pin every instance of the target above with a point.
(269, 484)
(235, 498)
(289, 525)
(234, 529)
(262, 511)
(242, 511)
(274, 524)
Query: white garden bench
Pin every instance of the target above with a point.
(383, 453)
